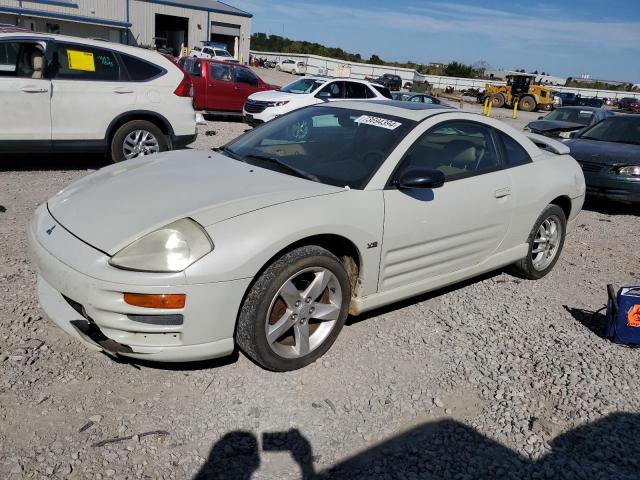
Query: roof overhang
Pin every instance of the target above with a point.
(64, 16)
(203, 5)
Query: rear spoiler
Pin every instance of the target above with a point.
(548, 144)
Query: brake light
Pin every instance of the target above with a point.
(185, 89)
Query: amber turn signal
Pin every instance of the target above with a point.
(150, 300)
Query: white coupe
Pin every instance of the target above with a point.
(270, 242)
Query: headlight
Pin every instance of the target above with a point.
(631, 171)
(170, 249)
(277, 104)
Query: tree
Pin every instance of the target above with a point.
(375, 60)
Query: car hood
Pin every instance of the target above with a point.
(607, 153)
(114, 206)
(275, 96)
(553, 126)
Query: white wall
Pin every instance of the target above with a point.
(103, 9)
(328, 66)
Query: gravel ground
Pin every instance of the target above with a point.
(495, 378)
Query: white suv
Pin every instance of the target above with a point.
(264, 106)
(61, 94)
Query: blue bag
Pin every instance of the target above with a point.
(623, 315)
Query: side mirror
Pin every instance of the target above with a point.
(324, 95)
(540, 118)
(420, 178)
(573, 134)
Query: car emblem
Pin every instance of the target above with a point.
(50, 231)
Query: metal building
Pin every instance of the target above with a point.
(168, 24)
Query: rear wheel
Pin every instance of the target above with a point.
(295, 309)
(137, 138)
(497, 100)
(528, 103)
(546, 241)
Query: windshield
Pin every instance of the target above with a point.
(222, 53)
(304, 85)
(573, 115)
(331, 145)
(615, 129)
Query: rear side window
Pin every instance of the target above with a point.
(9, 58)
(192, 66)
(384, 91)
(355, 90)
(140, 70)
(515, 153)
(80, 62)
(244, 75)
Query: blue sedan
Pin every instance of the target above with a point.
(609, 154)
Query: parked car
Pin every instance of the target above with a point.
(564, 120)
(220, 87)
(271, 241)
(291, 66)
(389, 80)
(415, 97)
(61, 94)
(609, 154)
(626, 103)
(212, 53)
(566, 99)
(264, 106)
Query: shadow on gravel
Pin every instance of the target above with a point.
(30, 162)
(611, 208)
(177, 366)
(351, 320)
(604, 449)
(594, 321)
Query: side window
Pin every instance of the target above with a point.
(369, 92)
(355, 90)
(336, 89)
(207, 51)
(21, 59)
(222, 73)
(244, 75)
(457, 149)
(81, 62)
(515, 153)
(384, 91)
(140, 70)
(417, 99)
(192, 66)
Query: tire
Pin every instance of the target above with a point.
(497, 100)
(122, 140)
(274, 316)
(278, 68)
(531, 267)
(528, 103)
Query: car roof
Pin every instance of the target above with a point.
(147, 54)
(221, 62)
(408, 110)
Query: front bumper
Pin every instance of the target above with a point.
(92, 309)
(613, 187)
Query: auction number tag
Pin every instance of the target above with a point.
(377, 122)
(81, 61)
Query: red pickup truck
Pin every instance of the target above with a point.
(221, 87)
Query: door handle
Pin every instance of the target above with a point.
(503, 192)
(122, 90)
(32, 89)
(211, 85)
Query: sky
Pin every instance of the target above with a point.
(565, 37)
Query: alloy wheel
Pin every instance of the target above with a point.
(303, 312)
(546, 243)
(140, 143)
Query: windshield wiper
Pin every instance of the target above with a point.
(592, 138)
(229, 153)
(286, 166)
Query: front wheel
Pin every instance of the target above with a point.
(295, 309)
(546, 241)
(137, 138)
(528, 103)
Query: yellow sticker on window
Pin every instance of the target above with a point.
(81, 61)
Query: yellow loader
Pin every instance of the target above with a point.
(522, 89)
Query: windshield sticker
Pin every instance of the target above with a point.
(586, 112)
(377, 122)
(81, 61)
